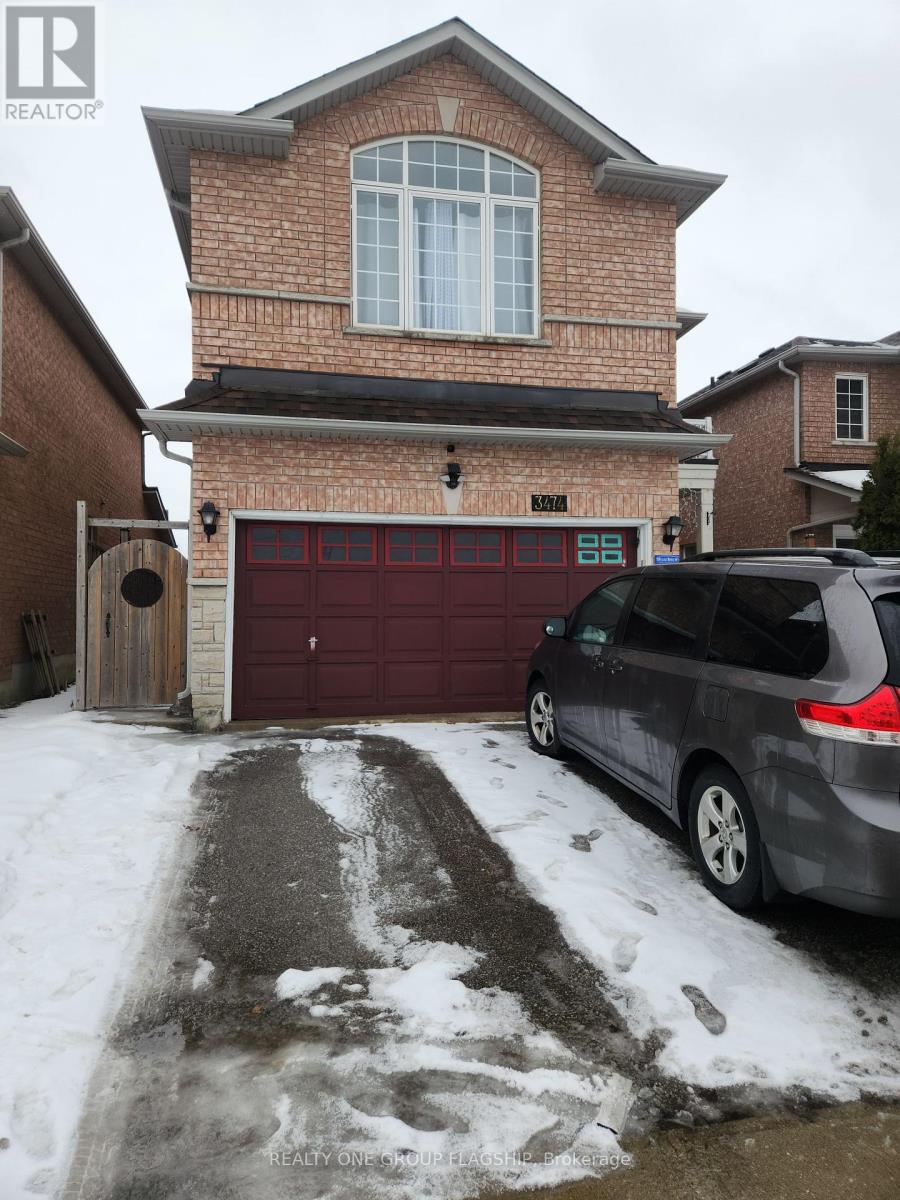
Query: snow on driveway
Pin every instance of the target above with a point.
(740, 1007)
(89, 813)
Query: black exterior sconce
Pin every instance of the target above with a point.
(209, 515)
(672, 530)
(453, 476)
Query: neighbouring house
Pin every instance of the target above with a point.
(434, 329)
(69, 430)
(804, 419)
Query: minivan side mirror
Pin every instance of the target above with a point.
(555, 627)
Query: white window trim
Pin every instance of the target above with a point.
(852, 441)
(487, 200)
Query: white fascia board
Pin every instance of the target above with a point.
(453, 36)
(182, 424)
(825, 484)
(688, 320)
(685, 188)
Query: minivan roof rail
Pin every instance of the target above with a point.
(838, 555)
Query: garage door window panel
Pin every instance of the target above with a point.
(599, 549)
(477, 548)
(276, 544)
(539, 548)
(346, 545)
(413, 548)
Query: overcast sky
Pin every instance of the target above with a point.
(797, 101)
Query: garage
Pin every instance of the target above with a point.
(366, 619)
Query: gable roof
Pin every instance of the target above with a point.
(45, 273)
(798, 349)
(265, 129)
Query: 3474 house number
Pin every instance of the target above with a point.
(547, 502)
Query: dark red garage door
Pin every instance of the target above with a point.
(354, 620)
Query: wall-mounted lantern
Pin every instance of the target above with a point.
(453, 476)
(209, 515)
(672, 530)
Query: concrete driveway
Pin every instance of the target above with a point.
(420, 961)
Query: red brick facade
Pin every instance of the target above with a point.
(285, 225)
(81, 445)
(817, 426)
(607, 278)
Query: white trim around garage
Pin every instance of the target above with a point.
(644, 526)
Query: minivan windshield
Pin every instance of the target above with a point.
(887, 610)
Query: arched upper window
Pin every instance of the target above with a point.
(444, 238)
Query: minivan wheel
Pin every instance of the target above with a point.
(540, 719)
(725, 838)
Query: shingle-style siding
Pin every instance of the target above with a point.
(818, 442)
(81, 445)
(755, 504)
(285, 225)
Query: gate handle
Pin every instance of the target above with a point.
(108, 622)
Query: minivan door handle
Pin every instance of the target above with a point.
(616, 665)
(597, 662)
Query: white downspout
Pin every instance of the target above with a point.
(796, 378)
(189, 462)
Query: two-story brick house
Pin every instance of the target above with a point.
(804, 418)
(69, 430)
(434, 331)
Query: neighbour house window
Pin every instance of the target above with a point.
(597, 618)
(414, 547)
(477, 548)
(851, 401)
(773, 625)
(444, 238)
(539, 548)
(277, 544)
(669, 615)
(346, 544)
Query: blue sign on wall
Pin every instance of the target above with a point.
(666, 558)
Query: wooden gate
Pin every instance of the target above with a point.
(136, 626)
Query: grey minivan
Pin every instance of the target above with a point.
(755, 697)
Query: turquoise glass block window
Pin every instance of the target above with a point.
(599, 549)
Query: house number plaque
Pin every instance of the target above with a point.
(549, 503)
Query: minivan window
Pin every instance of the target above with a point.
(775, 625)
(670, 613)
(597, 618)
(887, 610)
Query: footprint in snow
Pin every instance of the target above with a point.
(582, 841)
(704, 1009)
(554, 800)
(500, 763)
(497, 783)
(641, 904)
(490, 744)
(624, 952)
(554, 869)
(508, 828)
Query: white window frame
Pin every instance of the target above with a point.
(853, 441)
(486, 200)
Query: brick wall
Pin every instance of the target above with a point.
(81, 446)
(818, 442)
(386, 476)
(285, 225)
(755, 504)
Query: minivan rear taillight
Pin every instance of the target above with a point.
(874, 720)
